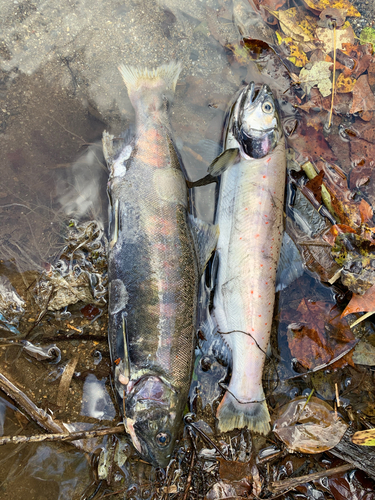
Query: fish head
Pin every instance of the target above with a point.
(152, 419)
(255, 121)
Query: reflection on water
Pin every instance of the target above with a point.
(59, 89)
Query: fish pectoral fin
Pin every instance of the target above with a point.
(224, 161)
(205, 238)
(290, 265)
(108, 152)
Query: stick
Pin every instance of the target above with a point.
(62, 436)
(37, 414)
(291, 483)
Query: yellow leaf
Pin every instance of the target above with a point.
(364, 438)
(296, 24)
(296, 55)
(345, 83)
(320, 5)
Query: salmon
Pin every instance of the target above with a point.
(157, 251)
(250, 219)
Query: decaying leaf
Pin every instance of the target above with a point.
(361, 303)
(364, 438)
(344, 5)
(345, 83)
(310, 143)
(364, 354)
(309, 341)
(343, 35)
(363, 98)
(359, 176)
(319, 74)
(356, 255)
(367, 36)
(309, 427)
(292, 50)
(296, 24)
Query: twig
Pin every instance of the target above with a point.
(37, 414)
(62, 394)
(291, 483)
(334, 74)
(62, 436)
(189, 478)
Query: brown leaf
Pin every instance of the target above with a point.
(310, 143)
(363, 98)
(366, 212)
(315, 185)
(233, 470)
(311, 344)
(361, 303)
(359, 176)
(334, 231)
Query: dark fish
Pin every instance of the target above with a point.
(154, 269)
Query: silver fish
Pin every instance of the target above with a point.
(250, 219)
(156, 252)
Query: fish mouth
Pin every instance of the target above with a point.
(256, 124)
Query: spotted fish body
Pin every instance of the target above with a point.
(250, 219)
(153, 270)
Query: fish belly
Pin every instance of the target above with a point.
(250, 219)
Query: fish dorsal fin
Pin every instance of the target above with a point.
(224, 161)
(205, 237)
(290, 265)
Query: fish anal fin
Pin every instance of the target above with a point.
(290, 266)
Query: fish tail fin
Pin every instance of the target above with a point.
(232, 414)
(160, 81)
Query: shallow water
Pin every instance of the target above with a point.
(59, 89)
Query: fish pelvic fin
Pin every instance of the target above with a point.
(161, 80)
(232, 414)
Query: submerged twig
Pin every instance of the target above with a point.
(291, 483)
(37, 414)
(62, 436)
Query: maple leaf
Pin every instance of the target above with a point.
(319, 74)
(344, 5)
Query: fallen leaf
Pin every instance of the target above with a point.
(359, 176)
(367, 35)
(309, 341)
(293, 53)
(334, 231)
(363, 98)
(344, 84)
(315, 185)
(310, 143)
(366, 212)
(364, 354)
(318, 74)
(343, 35)
(362, 152)
(296, 24)
(309, 427)
(364, 438)
(344, 5)
(233, 470)
(330, 15)
(371, 75)
(361, 303)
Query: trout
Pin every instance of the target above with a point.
(250, 219)
(156, 253)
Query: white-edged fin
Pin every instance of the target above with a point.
(290, 265)
(205, 238)
(224, 161)
(134, 78)
(108, 151)
(232, 414)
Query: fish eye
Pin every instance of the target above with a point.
(267, 107)
(163, 439)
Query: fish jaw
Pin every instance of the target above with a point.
(152, 415)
